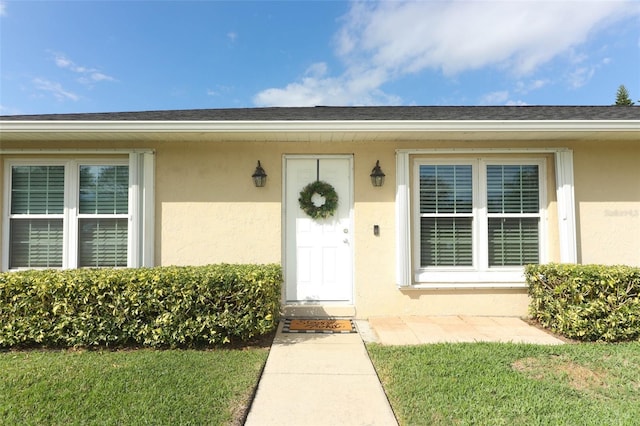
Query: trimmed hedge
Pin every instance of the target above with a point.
(586, 302)
(153, 307)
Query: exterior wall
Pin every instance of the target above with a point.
(208, 211)
(607, 181)
(2, 195)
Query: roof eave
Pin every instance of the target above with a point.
(320, 126)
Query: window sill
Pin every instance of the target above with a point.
(507, 278)
(465, 286)
(497, 276)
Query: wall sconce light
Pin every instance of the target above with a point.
(377, 176)
(259, 176)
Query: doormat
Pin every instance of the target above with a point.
(318, 326)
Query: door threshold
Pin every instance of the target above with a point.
(318, 311)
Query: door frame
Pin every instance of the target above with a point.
(285, 158)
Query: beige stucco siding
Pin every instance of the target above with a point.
(2, 201)
(607, 192)
(208, 211)
(207, 208)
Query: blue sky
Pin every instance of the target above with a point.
(95, 56)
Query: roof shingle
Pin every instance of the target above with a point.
(379, 113)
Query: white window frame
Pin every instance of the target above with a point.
(74, 207)
(494, 278)
(480, 271)
(430, 273)
(140, 215)
(7, 207)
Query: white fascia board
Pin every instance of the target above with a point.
(321, 126)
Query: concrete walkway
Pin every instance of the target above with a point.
(328, 379)
(319, 379)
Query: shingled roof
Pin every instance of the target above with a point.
(379, 113)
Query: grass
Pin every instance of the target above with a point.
(133, 387)
(511, 384)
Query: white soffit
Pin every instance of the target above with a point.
(316, 131)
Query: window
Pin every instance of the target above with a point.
(37, 212)
(102, 215)
(78, 213)
(477, 220)
(446, 215)
(513, 211)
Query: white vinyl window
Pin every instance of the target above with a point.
(477, 220)
(76, 213)
(513, 214)
(36, 223)
(446, 215)
(103, 215)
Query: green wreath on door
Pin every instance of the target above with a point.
(318, 200)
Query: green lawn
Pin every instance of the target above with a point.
(511, 384)
(132, 387)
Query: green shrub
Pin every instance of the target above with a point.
(586, 302)
(154, 307)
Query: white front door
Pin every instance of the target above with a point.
(318, 264)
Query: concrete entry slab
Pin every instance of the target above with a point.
(413, 330)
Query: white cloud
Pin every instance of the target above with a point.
(580, 76)
(382, 41)
(463, 35)
(55, 89)
(516, 103)
(98, 76)
(3, 8)
(495, 98)
(232, 36)
(317, 70)
(9, 111)
(220, 90)
(62, 62)
(314, 88)
(529, 86)
(501, 97)
(87, 75)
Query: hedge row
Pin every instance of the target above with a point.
(154, 307)
(586, 302)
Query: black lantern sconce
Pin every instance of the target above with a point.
(377, 176)
(259, 176)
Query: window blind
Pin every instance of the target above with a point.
(445, 189)
(513, 241)
(104, 189)
(446, 241)
(102, 242)
(513, 189)
(36, 242)
(512, 198)
(70, 213)
(37, 189)
(446, 206)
